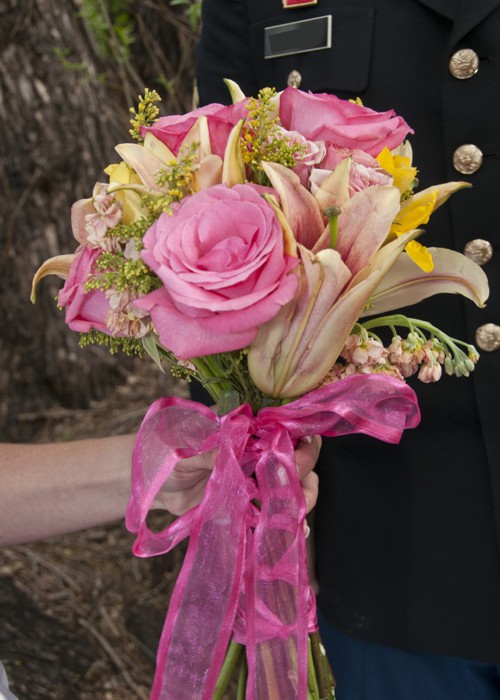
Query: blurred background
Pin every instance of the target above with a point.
(80, 617)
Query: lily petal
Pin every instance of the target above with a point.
(444, 191)
(335, 188)
(288, 236)
(198, 134)
(299, 206)
(233, 171)
(208, 174)
(235, 91)
(59, 265)
(326, 343)
(364, 222)
(406, 284)
(144, 162)
(160, 150)
(281, 343)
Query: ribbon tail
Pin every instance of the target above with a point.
(203, 606)
(278, 624)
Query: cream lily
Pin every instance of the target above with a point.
(293, 352)
(405, 284)
(59, 265)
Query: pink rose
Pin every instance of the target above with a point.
(84, 310)
(224, 271)
(323, 117)
(172, 130)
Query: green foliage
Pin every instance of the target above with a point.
(112, 26)
(192, 12)
(63, 55)
(86, 75)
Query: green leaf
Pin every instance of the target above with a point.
(151, 347)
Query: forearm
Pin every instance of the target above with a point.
(50, 489)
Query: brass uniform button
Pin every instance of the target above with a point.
(488, 337)
(479, 251)
(467, 159)
(294, 79)
(464, 64)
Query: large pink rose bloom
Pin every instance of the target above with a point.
(220, 257)
(173, 129)
(84, 310)
(323, 117)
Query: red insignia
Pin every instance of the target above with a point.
(290, 4)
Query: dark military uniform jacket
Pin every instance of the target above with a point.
(407, 536)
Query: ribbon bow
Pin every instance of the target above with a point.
(244, 573)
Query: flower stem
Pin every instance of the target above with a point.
(312, 684)
(232, 656)
(242, 679)
(324, 674)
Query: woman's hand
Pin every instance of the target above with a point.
(185, 486)
(306, 456)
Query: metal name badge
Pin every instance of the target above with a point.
(298, 37)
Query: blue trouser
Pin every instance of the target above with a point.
(368, 671)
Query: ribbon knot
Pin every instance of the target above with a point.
(244, 573)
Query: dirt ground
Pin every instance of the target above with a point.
(80, 615)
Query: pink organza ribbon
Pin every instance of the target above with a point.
(245, 567)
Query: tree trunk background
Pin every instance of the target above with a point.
(63, 107)
(80, 617)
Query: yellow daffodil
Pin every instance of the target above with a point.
(122, 174)
(420, 255)
(400, 167)
(414, 212)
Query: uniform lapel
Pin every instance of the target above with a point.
(469, 14)
(465, 14)
(447, 8)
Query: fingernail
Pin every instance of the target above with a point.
(307, 438)
(307, 529)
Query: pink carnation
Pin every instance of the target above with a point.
(221, 260)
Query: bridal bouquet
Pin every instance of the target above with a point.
(259, 248)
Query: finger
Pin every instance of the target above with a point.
(306, 454)
(310, 486)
